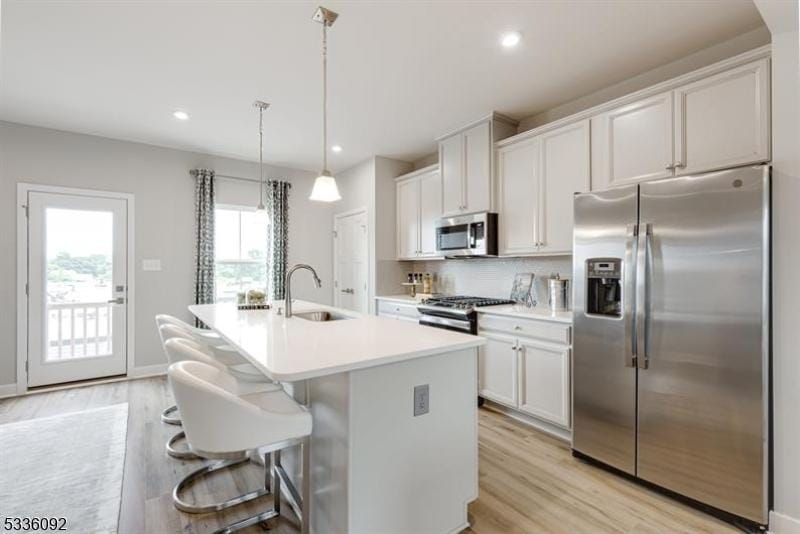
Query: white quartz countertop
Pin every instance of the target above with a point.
(540, 313)
(295, 349)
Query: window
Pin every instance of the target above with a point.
(240, 249)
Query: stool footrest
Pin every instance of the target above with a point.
(244, 523)
(185, 454)
(170, 419)
(192, 477)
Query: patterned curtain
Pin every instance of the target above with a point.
(278, 242)
(204, 193)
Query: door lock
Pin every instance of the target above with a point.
(118, 300)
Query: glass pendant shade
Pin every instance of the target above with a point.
(325, 189)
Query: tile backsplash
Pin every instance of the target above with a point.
(493, 277)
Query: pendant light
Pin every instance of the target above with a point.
(261, 106)
(325, 189)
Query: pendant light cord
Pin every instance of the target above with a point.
(260, 157)
(324, 96)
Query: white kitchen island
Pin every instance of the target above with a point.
(376, 467)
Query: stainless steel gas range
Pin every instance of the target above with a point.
(455, 312)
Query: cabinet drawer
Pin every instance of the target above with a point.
(544, 330)
(386, 307)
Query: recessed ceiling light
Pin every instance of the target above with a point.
(180, 115)
(510, 39)
(336, 148)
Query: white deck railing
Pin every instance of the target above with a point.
(79, 330)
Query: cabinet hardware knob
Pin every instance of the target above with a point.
(518, 327)
(679, 165)
(670, 167)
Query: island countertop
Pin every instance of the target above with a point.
(294, 349)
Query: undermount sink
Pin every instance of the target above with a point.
(320, 316)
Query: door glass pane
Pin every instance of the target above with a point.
(78, 283)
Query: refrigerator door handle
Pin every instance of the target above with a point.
(642, 248)
(628, 292)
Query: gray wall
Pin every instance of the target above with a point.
(158, 177)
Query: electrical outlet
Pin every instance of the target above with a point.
(421, 400)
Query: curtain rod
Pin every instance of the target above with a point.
(194, 173)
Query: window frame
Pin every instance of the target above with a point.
(240, 261)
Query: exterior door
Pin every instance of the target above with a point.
(603, 374)
(352, 271)
(518, 197)
(77, 287)
(430, 209)
(703, 393)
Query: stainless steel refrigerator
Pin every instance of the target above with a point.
(671, 335)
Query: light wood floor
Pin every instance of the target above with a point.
(529, 482)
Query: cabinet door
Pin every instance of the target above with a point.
(478, 168)
(407, 219)
(451, 168)
(723, 120)
(544, 381)
(430, 209)
(497, 369)
(564, 171)
(633, 143)
(518, 197)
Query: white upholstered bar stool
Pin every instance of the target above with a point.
(223, 422)
(178, 347)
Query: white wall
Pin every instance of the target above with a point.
(158, 177)
(782, 20)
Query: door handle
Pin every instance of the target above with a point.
(628, 292)
(349, 290)
(118, 300)
(645, 230)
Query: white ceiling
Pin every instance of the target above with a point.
(400, 72)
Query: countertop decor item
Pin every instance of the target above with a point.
(521, 290)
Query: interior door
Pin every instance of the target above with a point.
(77, 287)
(518, 197)
(352, 272)
(430, 209)
(603, 375)
(702, 403)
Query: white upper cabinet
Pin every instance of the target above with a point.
(407, 219)
(718, 121)
(466, 163)
(419, 204)
(430, 209)
(723, 120)
(518, 197)
(451, 164)
(633, 143)
(565, 167)
(537, 178)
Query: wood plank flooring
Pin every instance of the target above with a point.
(529, 482)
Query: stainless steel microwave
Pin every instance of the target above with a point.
(465, 236)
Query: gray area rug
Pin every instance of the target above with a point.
(66, 466)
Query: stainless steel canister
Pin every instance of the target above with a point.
(557, 293)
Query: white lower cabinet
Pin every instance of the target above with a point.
(527, 374)
(497, 369)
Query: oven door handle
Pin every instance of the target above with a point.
(435, 320)
(473, 239)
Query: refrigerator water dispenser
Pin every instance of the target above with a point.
(603, 283)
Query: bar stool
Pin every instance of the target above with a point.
(177, 349)
(223, 423)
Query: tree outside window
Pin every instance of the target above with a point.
(240, 245)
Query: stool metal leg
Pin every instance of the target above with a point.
(189, 479)
(305, 519)
(170, 419)
(177, 453)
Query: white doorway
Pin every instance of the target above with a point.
(351, 261)
(75, 318)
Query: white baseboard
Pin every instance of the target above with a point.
(555, 431)
(783, 524)
(148, 370)
(8, 390)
